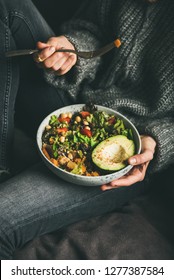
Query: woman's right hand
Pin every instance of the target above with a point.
(60, 63)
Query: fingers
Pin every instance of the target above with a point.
(146, 156)
(45, 51)
(41, 45)
(57, 62)
(71, 60)
(137, 174)
(48, 58)
(140, 163)
(147, 153)
(52, 42)
(148, 143)
(44, 54)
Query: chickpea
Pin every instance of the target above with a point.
(69, 115)
(78, 119)
(51, 140)
(70, 156)
(62, 139)
(63, 115)
(63, 160)
(87, 127)
(71, 165)
(85, 122)
(48, 127)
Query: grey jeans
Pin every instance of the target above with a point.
(37, 202)
(22, 86)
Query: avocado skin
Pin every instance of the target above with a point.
(112, 153)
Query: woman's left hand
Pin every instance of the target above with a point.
(140, 163)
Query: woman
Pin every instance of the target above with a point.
(136, 80)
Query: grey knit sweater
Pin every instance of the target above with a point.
(138, 78)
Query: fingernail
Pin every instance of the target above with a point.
(105, 188)
(52, 49)
(132, 160)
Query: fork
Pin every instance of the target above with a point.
(83, 54)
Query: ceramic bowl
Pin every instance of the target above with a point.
(80, 179)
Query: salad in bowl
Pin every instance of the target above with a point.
(87, 144)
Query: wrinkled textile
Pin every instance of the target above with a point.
(126, 234)
(36, 202)
(138, 78)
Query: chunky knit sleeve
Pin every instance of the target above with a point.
(85, 32)
(162, 131)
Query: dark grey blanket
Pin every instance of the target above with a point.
(129, 234)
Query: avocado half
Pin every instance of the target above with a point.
(112, 153)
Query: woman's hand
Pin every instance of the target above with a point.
(140, 163)
(60, 63)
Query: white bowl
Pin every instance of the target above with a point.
(80, 179)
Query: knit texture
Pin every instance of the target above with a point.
(138, 78)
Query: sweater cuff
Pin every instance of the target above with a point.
(84, 41)
(83, 69)
(163, 134)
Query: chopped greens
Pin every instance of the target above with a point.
(69, 139)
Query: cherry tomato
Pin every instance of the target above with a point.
(111, 120)
(84, 114)
(62, 129)
(67, 119)
(86, 132)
